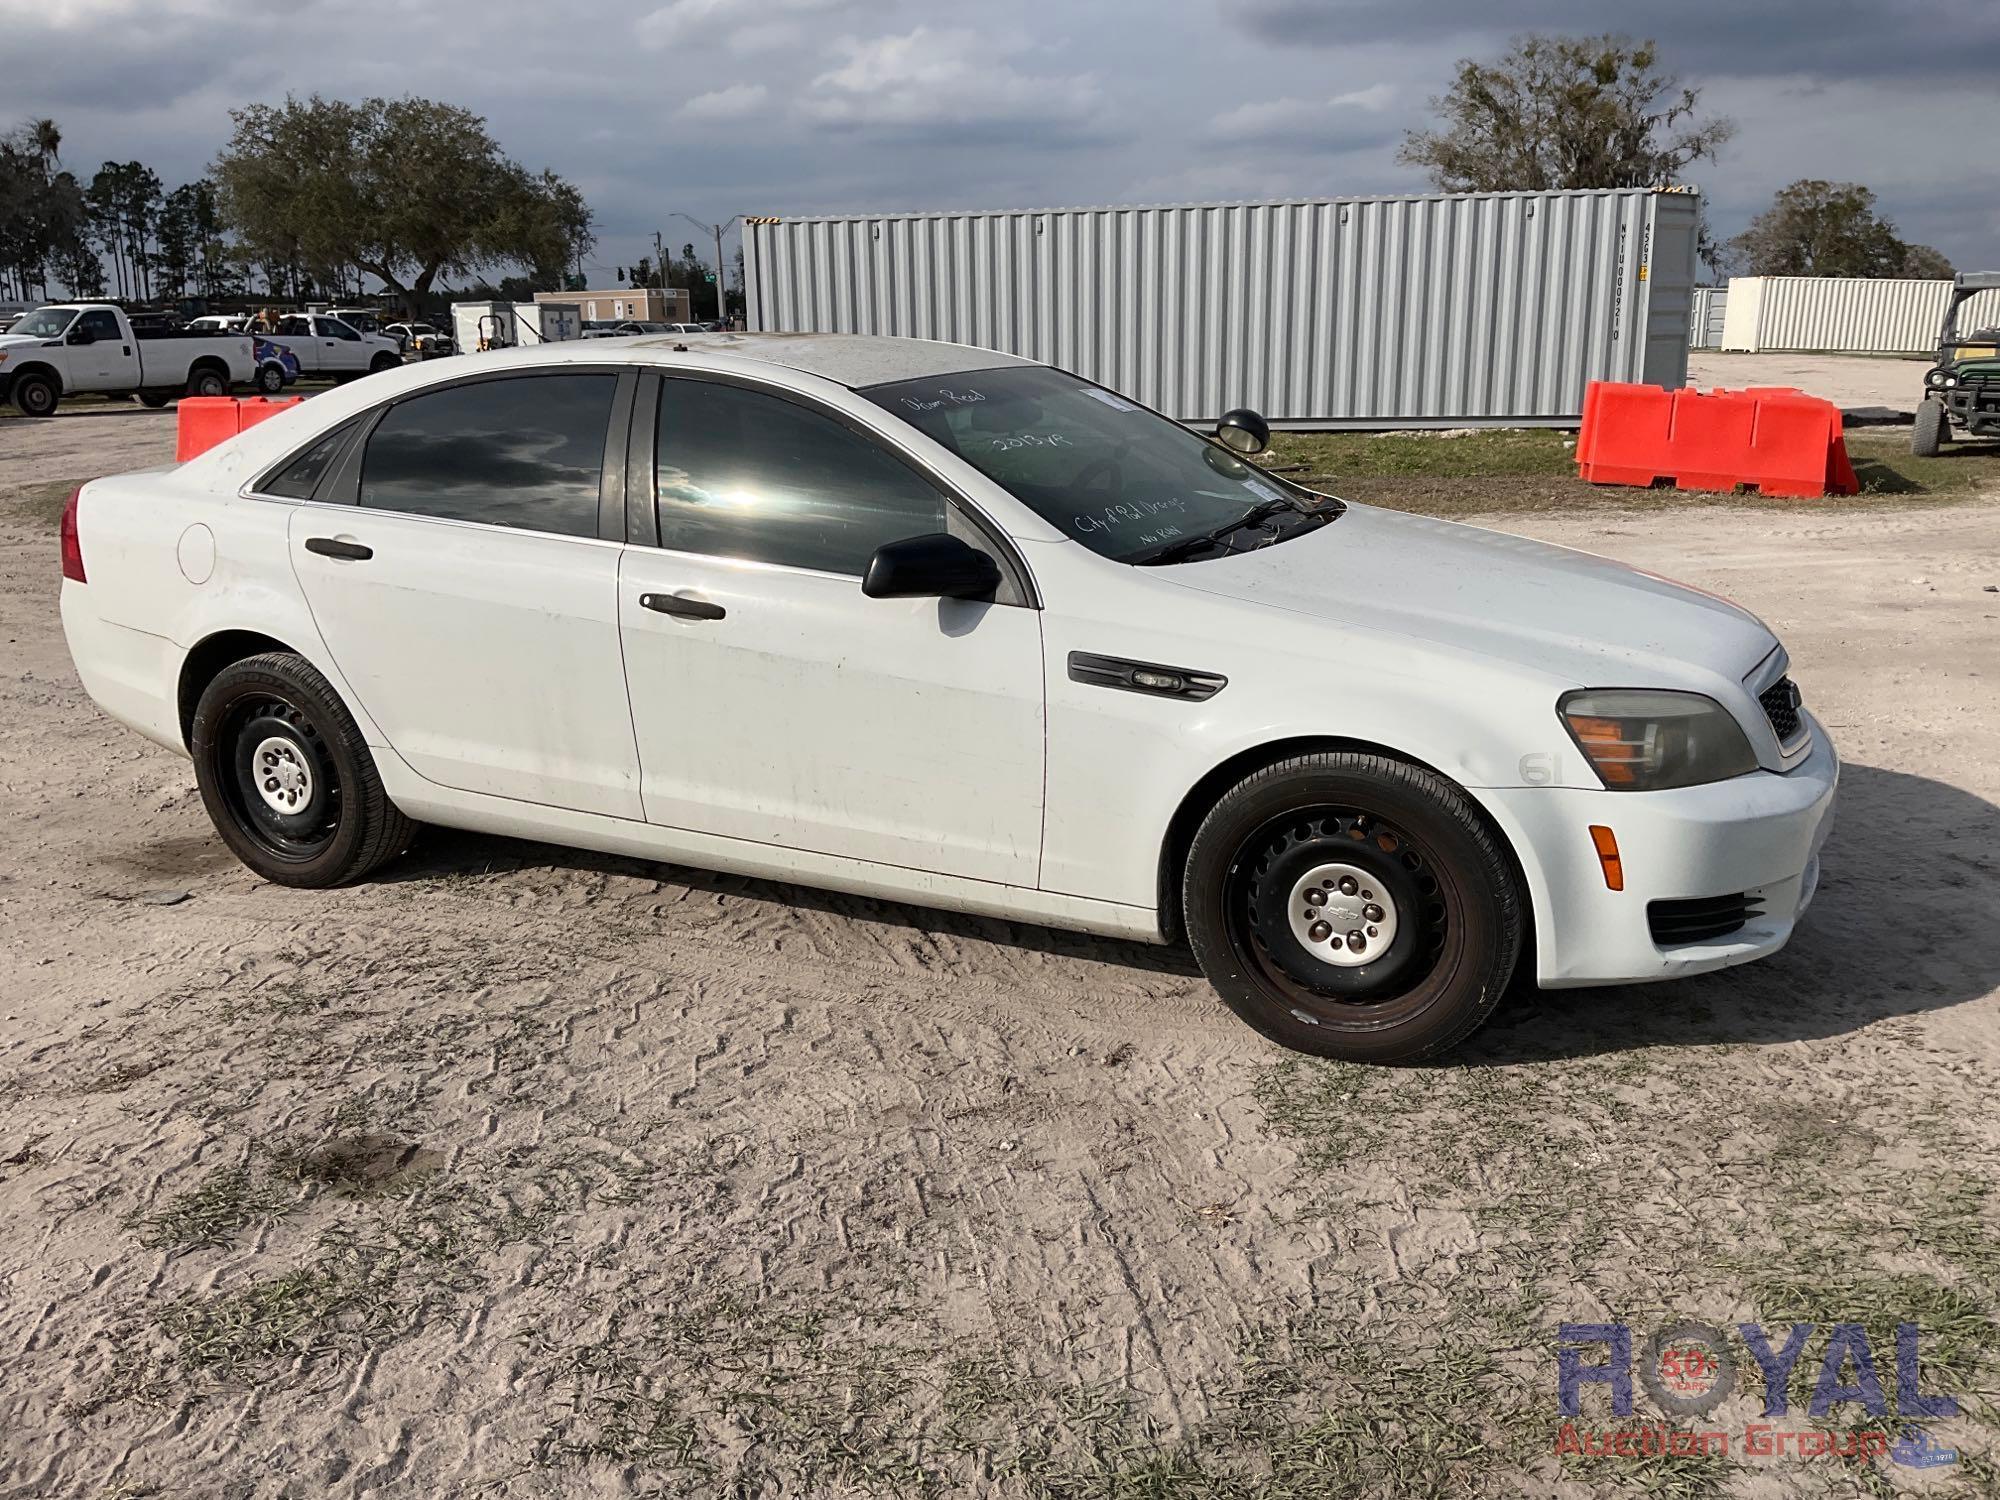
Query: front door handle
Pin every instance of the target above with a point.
(686, 609)
(328, 546)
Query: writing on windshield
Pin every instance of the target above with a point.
(1106, 472)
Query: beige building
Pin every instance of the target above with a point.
(642, 304)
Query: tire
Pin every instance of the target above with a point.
(1927, 436)
(1298, 854)
(383, 361)
(207, 381)
(276, 712)
(153, 400)
(270, 379)
(36, 394)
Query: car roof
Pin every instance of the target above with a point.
(848, 359)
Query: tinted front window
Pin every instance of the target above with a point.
(102, 325)
(1116, 477)
(743, 474)
(525, 452)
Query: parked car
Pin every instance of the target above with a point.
(221, 323)
(277, 367)
(937, 624)
(76, 347)
(360, 319)
(421, 339)
(326, 346)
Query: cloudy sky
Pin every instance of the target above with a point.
(718, 107)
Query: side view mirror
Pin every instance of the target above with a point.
(933, 566)
(82, 336)
(1243, 430)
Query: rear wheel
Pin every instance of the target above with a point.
(1352, 906)
(1928, 435)
(287, 778)
(153, 400)
(208, 381)
(35, 394)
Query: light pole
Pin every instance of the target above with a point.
(718, 230)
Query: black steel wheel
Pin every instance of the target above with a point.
(1353, 906)
(35, 394)
(287, 778)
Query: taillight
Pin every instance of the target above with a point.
(72, 549)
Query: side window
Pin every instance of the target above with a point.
(103, 326)
(526, 452)
(333, 328)
(301, 476)
(294, 327)
(744, 474)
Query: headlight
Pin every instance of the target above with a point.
(1644, 741)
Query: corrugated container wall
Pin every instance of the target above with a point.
(1365, 312)
(1845, 314)
(1711, 306)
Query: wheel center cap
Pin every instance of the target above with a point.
(1342, 914)
(284, 780)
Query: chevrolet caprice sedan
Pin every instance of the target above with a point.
(939, 625)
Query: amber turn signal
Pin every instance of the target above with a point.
(1606, 843)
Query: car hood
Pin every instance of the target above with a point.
(22, 341)
(1595, 622)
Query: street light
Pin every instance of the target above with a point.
(718, 230)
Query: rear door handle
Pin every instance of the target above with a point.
(686, 609)
(327, 546)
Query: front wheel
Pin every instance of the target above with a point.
(1928, 434)
(270, 379)
(287, 778)
(383, 361)
(1353, 906)
(35, 395)
(153, 400)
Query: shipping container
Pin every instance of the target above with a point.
(1845, 314)
(1705, 322)
(1437, 311)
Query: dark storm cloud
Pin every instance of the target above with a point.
(1751, 38)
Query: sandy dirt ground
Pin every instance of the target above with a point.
(526, 1172)
(1847, 380)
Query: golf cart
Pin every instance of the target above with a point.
(1963, 389)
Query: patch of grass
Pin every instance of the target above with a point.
(212, 1213)
(1522, 470)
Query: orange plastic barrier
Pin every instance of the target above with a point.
(1771, 439)
(208, 420)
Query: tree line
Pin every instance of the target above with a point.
(1600, 112)
(307, 199)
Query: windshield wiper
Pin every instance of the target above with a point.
(1257, 515)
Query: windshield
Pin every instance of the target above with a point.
(1104, 471)
(45, 322)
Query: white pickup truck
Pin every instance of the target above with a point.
(327, 346)
(68, 348)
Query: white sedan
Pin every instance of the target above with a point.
(936, 624)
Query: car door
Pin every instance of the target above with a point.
(342, 351)
(296, 334)
(772, 700)
(464, 586)
(109, 361)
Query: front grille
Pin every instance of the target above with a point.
(1702, 919)
(1781, 707)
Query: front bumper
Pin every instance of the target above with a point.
(1759, 834)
